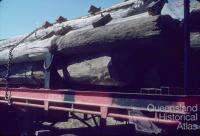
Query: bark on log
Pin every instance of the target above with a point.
(117, 11)
(132, 31)
(94, 72)
(119, 71)
(195, 40)
(136, 31)
(126, 68)
(24, 74)
(152, 35)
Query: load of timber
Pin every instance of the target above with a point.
(127, 45)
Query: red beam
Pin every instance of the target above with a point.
(114, 115)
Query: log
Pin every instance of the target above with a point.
(131, 31)
(137, 49)
(175, 8)
(117, 11)
(100, 71)
(137, 31)
(123, 68)
(127, 36)
(94, 71)
(195, 40)
(24, 74)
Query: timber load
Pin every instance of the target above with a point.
(134, 44)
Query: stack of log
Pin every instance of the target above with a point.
(124, 45)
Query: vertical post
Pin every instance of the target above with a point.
(186, 45)
(47, 68)
(104, 113)
(52, 78)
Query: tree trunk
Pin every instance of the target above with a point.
(94, 72)
(134, 31)
(138, 45)
(117, 11)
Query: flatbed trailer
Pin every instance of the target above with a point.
(120, 106)
(103, 104)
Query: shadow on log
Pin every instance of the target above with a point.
(135, 52)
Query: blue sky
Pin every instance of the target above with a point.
(22, 16)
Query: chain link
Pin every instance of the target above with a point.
(9, 62)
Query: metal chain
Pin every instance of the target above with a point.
(7, 91)
(10, 58)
